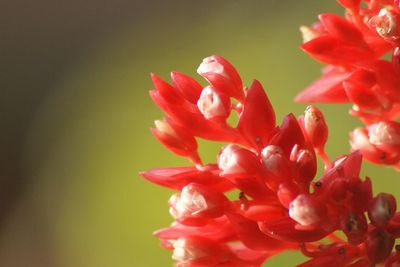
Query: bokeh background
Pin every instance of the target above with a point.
(75, 114)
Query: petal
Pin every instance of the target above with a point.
(256, 105)
(327, 89)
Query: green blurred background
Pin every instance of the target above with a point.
(75, 114)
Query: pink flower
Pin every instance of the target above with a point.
(280, 205)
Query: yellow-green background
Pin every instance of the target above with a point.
(75, 114)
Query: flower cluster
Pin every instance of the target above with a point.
(279, 204)
(355, 47)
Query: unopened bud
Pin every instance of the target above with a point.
(186, 203)
(385, 134)
(236, 160)
(228, 160)
(386, 23)
(212, 104)
(306, 210)
(197, 251)
(315, 127)
(176, 139)
(274, 159)
(382, 209)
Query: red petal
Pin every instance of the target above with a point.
(189, 88)
(257, 119)
(327, 89)
(342, 29)
(177, 178)
(285, 229)
(253, 238)
(288, 135)
(330, 50)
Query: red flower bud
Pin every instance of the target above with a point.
(195, 204)
(307, 210)
(222, 75)
(197, 251)
(315, 127)
(213, 104)
(176, 139)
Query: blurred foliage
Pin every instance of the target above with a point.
(90, 137)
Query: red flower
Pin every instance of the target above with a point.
(280, 206)
(353, 47)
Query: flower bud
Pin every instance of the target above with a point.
(213, 104)
(306, 164)
(315, 127)
(197, 203)
(196, 251)
(306, 210)
(176, 139)
(381, 209)
(222, 75)
(386, 24)
(277, 164)
(236, 160)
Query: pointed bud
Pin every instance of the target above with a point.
(176, 139)
(213, 104)
(306, 210)
(381, 209)
(315, 127)
(222, 75)
(196, 203)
